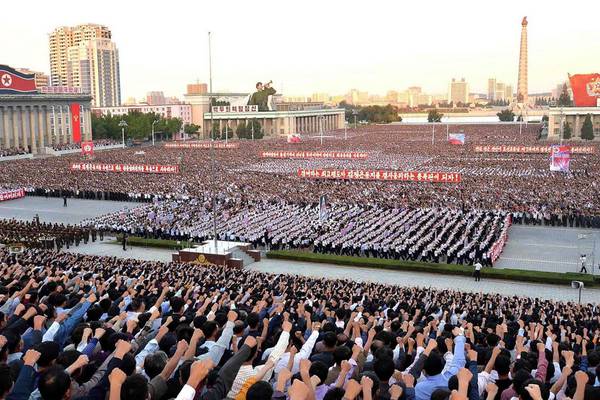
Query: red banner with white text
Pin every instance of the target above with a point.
(380, 175)
(201, 145)
(136, 168)
(334, 155)
(531, 149)
(12, 194)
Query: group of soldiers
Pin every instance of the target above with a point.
(45, 235)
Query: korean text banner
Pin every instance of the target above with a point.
(380, 175)
(136, 168)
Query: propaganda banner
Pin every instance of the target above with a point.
(531, 149)
(12, 194)
(135, 168)
(560, 158)
(380, 175)
(87, 148)
(201, 145)
(75, 122)
(586, 89)
(15, 82)
(334, 155)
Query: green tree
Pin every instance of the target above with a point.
(215, 132)
(587, 129)
(434, 116)
(567, 131)
(506, 115)
(241, 131)
(564, 100)
(191, 129)
(258, 131)
(544, 118)
(227, 130)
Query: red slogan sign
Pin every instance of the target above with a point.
(139, 168)
(338, 155)
(531, 149)
(201, 145)
(380, 175)
(12, 194)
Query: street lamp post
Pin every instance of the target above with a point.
(345, 130)
(123, 125)
(561, 125)
(153, 122)
(355, 113)
(212, 148)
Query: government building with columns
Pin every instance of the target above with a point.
(32, 119)
(285, 119)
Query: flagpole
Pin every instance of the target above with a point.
(212, 146)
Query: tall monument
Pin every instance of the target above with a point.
(522, 95)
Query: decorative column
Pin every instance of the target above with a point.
(3, 133)
(15, 128)
(34, 128)
(88, 122)
(26, 124)
(63, 128)
(41, 122)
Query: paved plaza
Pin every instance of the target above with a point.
(51, 209)
(541, 248)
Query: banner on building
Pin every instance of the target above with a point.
(15, 82)
(87, 148)
(560, 158)
(456, 138)
(201, 145)
(12, 194)
(137, 168)
(380, 175)
(334, 155)
(76, 122)
(235, 109)
(531, 149)
(586, 90)
(323, 207)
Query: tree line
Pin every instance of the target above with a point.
(139, 126)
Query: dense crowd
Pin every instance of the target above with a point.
(73, 146)
(36, 234)
(13, 151)
(78, 326)
(434, 235)
(510, 182)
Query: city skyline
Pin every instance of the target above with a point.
(331, 51)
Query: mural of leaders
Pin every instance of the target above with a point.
(262, 97)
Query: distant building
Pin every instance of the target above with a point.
(559, 116)
(458, 91)
(498, 91)
(181, 111)
(41, 79)
(155, 98)
(322, 97)
(197, 88)
(93, 65)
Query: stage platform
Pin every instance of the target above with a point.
(230, 254)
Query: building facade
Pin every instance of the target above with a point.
(558, 117)
(458, 91)
(84, 56)
(181, 111)
(64, 37)
(32, 122)
(155, 98)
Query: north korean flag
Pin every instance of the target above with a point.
(15, 82)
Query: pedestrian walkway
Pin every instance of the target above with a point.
(552, 249)
(51, 209)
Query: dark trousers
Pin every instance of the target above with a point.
(477, 275)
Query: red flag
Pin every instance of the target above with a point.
(15, 82)
(75, 123)
(87, 148)
(586, 89)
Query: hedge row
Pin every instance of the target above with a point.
(158, 243)
(557, 278)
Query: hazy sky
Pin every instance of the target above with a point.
(319, 46)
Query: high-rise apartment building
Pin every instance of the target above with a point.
(458, 91)
(498, 91)
(84, 56)
(155, 98)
